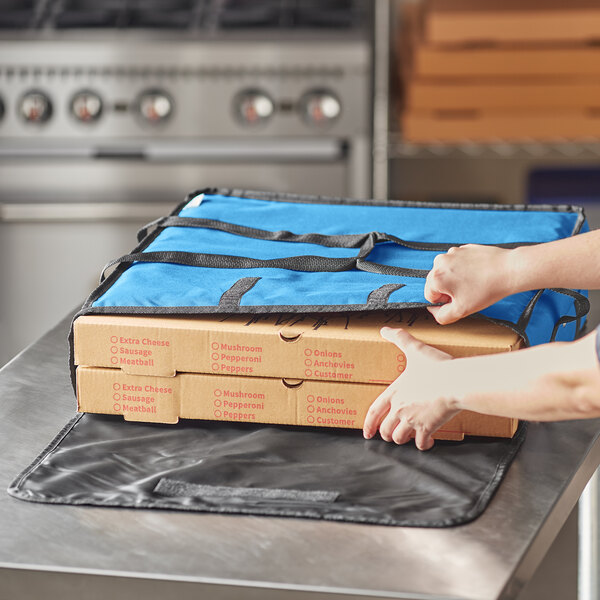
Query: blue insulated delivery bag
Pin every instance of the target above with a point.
(252, 252)
(256, 252)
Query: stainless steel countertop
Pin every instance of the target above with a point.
(66, 551)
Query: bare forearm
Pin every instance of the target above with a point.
(569, 263)
(555, 397)
(546, 383)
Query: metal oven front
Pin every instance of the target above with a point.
(105, 127)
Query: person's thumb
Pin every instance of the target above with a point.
(447, 313)
(403, 340)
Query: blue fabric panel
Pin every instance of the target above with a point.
(424, 224)
(550, 307)
(509, 307)
(198, 286)
(172, 285)
(212, 241)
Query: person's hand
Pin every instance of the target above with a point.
(417, 402)
(467, 279)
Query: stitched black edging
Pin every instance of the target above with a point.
(268, 308)
(480, 504)
(13, 488)
(300, 199)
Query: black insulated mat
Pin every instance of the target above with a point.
(266, 470)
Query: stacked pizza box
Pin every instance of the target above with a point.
(308, 370)
(510, 70)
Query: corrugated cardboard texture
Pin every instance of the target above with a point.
(479, 126)
(553, 63)
(469, 21)
(250, 399)
(490, 96)
(333, 347)
(509, 87)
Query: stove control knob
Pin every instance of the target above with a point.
(86, 106)
(155, 106)
(35, 107)
(320, 107)
(253, 107)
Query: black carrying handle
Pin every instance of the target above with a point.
(307, 263)
(582, 308)
(304, 263)
(353, 240)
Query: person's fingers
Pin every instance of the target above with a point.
(434, 291)
(434, 285)
(431, 290)
(439, 260)
(375, 414)
(436, 297)
(388, 425)
(410, 346)
(435, 311)
(402, 433)
(423, 439)
(432, 310)
(402, 339)
(447, 313)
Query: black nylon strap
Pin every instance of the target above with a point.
(143, 232)
(232, 297)
(379, 298)
(222, 261)
(307, 263)
(331, 241)
(528, 311)
(582, 307)
(372, 267)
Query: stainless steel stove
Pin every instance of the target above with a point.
(181, 14)
(111, 110)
